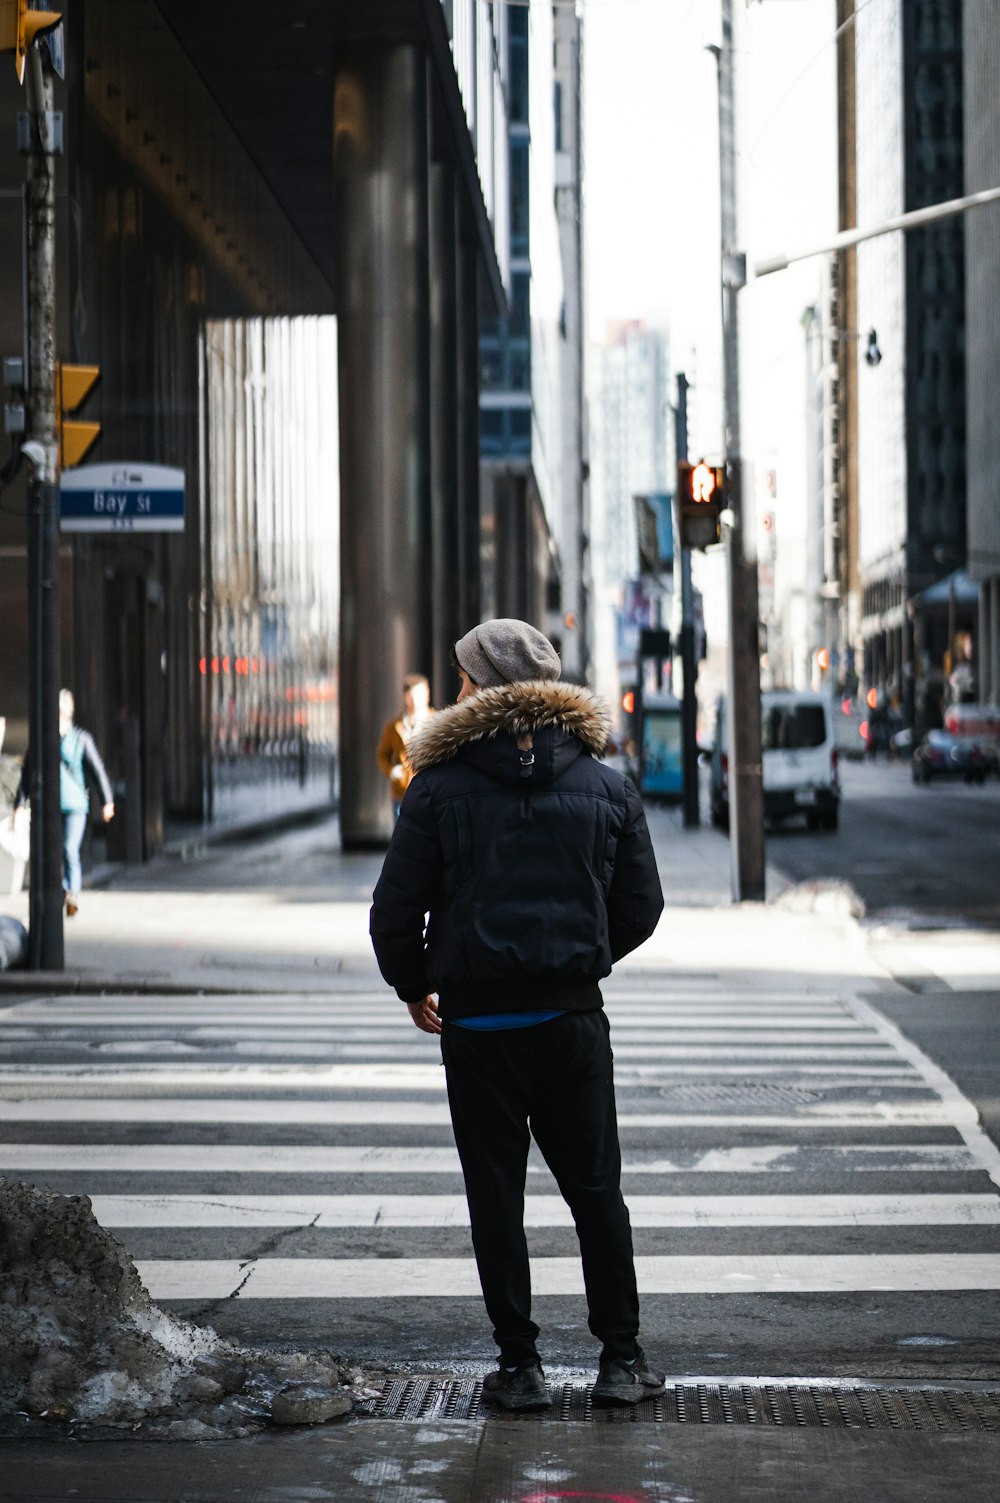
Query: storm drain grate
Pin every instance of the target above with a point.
(741, 1093)
(793, 1405)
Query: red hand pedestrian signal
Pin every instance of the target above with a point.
(701, 498)
(702, 483)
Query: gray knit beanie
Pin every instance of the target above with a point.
(506, 651)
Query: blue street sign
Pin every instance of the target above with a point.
(122, 498)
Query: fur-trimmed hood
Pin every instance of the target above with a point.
(553, 713)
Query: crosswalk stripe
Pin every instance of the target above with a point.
(815, 1059)
(394, 1077)
(280, 1044)
(264, 1158)
(395, 1278)
(731, 1030)
(333, 1111)
(325, 1211)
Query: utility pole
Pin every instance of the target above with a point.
(746, 793)
(45, 934)
(689, 668)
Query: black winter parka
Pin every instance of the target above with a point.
(532, 859)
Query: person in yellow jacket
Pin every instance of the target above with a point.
(391, 755)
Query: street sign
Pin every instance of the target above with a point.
(122, 498)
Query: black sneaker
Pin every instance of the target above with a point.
(524, 1388)
(621, 1382)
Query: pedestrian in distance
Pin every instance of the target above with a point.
(534, 863)
(77, 753)
(396, 733)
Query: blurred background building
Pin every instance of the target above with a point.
(909, 348)
(281, 242)
(531, 355)
(633, 456)
(981, 22)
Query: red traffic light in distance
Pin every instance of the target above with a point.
(701, 499)
(628, 702)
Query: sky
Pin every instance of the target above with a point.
(652, 207)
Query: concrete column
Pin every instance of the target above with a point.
(380, 170)
(468, 597)
(445, 621)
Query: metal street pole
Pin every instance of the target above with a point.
(909, 221)
(689, 667)
(45, 933)
(746, 794)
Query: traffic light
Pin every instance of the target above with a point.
(73, 385)
(19, 27)
(701, 499)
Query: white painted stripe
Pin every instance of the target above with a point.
(283, 1047)
(700, 1029)
(265, 1158)
(730, 1050)
(335, 1112)
(389, 1077)
(652, 999)
(328, 1211)
(394, 1278)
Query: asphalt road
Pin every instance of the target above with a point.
(930, 852)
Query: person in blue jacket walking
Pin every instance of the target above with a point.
(77, 751)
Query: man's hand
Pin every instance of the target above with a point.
(425, 1014)
(108, 810)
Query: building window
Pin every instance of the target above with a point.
(517, 60)
(519, 198)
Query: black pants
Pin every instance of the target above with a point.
(557, 1076)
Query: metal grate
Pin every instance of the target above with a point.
(792, 1405)
(740, 1093)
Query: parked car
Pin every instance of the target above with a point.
(942, 755)
(800, 773)
(978, 723)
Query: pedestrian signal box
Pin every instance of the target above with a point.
(701, 500)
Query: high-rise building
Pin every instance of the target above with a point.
(982, 269)
(532, 492)
(911, 429)
(573, 523)
(632, 457)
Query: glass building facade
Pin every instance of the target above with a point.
(270, 530)
(911, 291)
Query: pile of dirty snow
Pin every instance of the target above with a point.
(85, 1348)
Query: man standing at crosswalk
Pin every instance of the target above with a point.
(534, 863)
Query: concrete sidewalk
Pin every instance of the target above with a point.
(280, 910)
(287, 911)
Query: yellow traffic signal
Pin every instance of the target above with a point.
(73, 386)
(701, 499)
(20, 26)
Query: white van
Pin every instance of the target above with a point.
(800, 760)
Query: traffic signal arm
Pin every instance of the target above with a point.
(19, 27)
